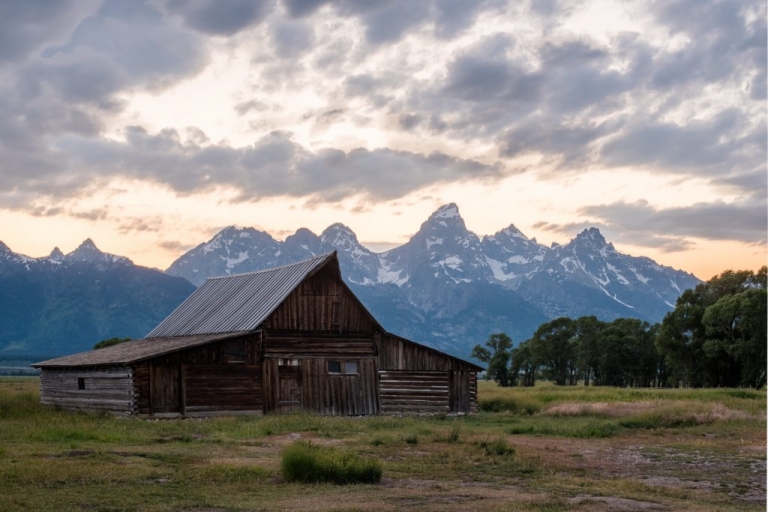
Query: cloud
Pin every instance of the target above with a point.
(274, 165)
(28, 27)
(743, 221)
(291, 38)
(218, 18)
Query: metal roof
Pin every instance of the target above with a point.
(239, 302)
(133, 351)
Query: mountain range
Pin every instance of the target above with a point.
(61, 304)
(450, 288)
(445, 287)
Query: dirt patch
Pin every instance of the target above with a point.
(599, 503)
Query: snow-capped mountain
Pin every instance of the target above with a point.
(448, 287)
(65, 303)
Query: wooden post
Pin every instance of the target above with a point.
(151, 404)
(183, 390)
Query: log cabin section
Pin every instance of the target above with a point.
(284, 340)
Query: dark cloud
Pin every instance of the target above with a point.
(216, 17)
(135, 39)
(27, 28)
(710, 146)
(300, 8)
(273, 166)
(409, 121)
(744, 221)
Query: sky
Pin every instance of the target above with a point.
(149, 126)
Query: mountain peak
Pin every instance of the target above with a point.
(592, 234)
(56, 254)
(447, 211)
(86, 251)
(339, 235)
(4, 248)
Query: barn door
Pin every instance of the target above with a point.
(289, 388)
(165, 379)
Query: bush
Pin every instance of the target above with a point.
(497, 447)
(303, 462)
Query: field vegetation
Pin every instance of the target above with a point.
(538, 448)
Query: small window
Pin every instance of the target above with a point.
(334, 366)
(80, 383)
(350, 367)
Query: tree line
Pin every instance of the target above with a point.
(715, 337)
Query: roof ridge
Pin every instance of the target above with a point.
(272, 269)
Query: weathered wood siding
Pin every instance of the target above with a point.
(463, 391)
(412, 392)
(306, 385)
(399, 358)
(321, 303)
(104, 388)
(215, 378)
(397, 353)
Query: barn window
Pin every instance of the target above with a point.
(343, 367)
(80, 383)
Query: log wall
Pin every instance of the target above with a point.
(105, 388)
(411, 392)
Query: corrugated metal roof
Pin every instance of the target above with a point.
(133, 351)
(239, 302)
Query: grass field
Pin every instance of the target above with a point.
(544, 448)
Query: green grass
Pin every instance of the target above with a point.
(553, 445)
(304, 462)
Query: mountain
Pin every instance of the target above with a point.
(61, 304)
(449, 288)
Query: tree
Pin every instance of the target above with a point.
(588, 332)
(523, 367)
(554, 348)
(736, 330)
(495, 354)
(109, 342)
(709, 353)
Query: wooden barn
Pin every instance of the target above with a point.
(283, 340)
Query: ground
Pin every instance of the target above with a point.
(545, 448)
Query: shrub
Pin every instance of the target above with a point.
(497, 447)
(412, 439)
(303, 462)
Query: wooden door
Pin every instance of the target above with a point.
(165, 393)
(289, 389)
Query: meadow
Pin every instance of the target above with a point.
(542, 448)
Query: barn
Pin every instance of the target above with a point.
(283, 340)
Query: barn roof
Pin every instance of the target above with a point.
(133, 351)
(239, 302)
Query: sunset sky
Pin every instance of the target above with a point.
(149, 126)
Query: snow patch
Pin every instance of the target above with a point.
(640, 277)
(433, 241)
(497, 269)
(447, 212)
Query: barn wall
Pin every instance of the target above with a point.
(417, 379)
(414, 392)
(296, 376)
(216, 378)
(463, 391)
(321, 303)
(105, 388)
